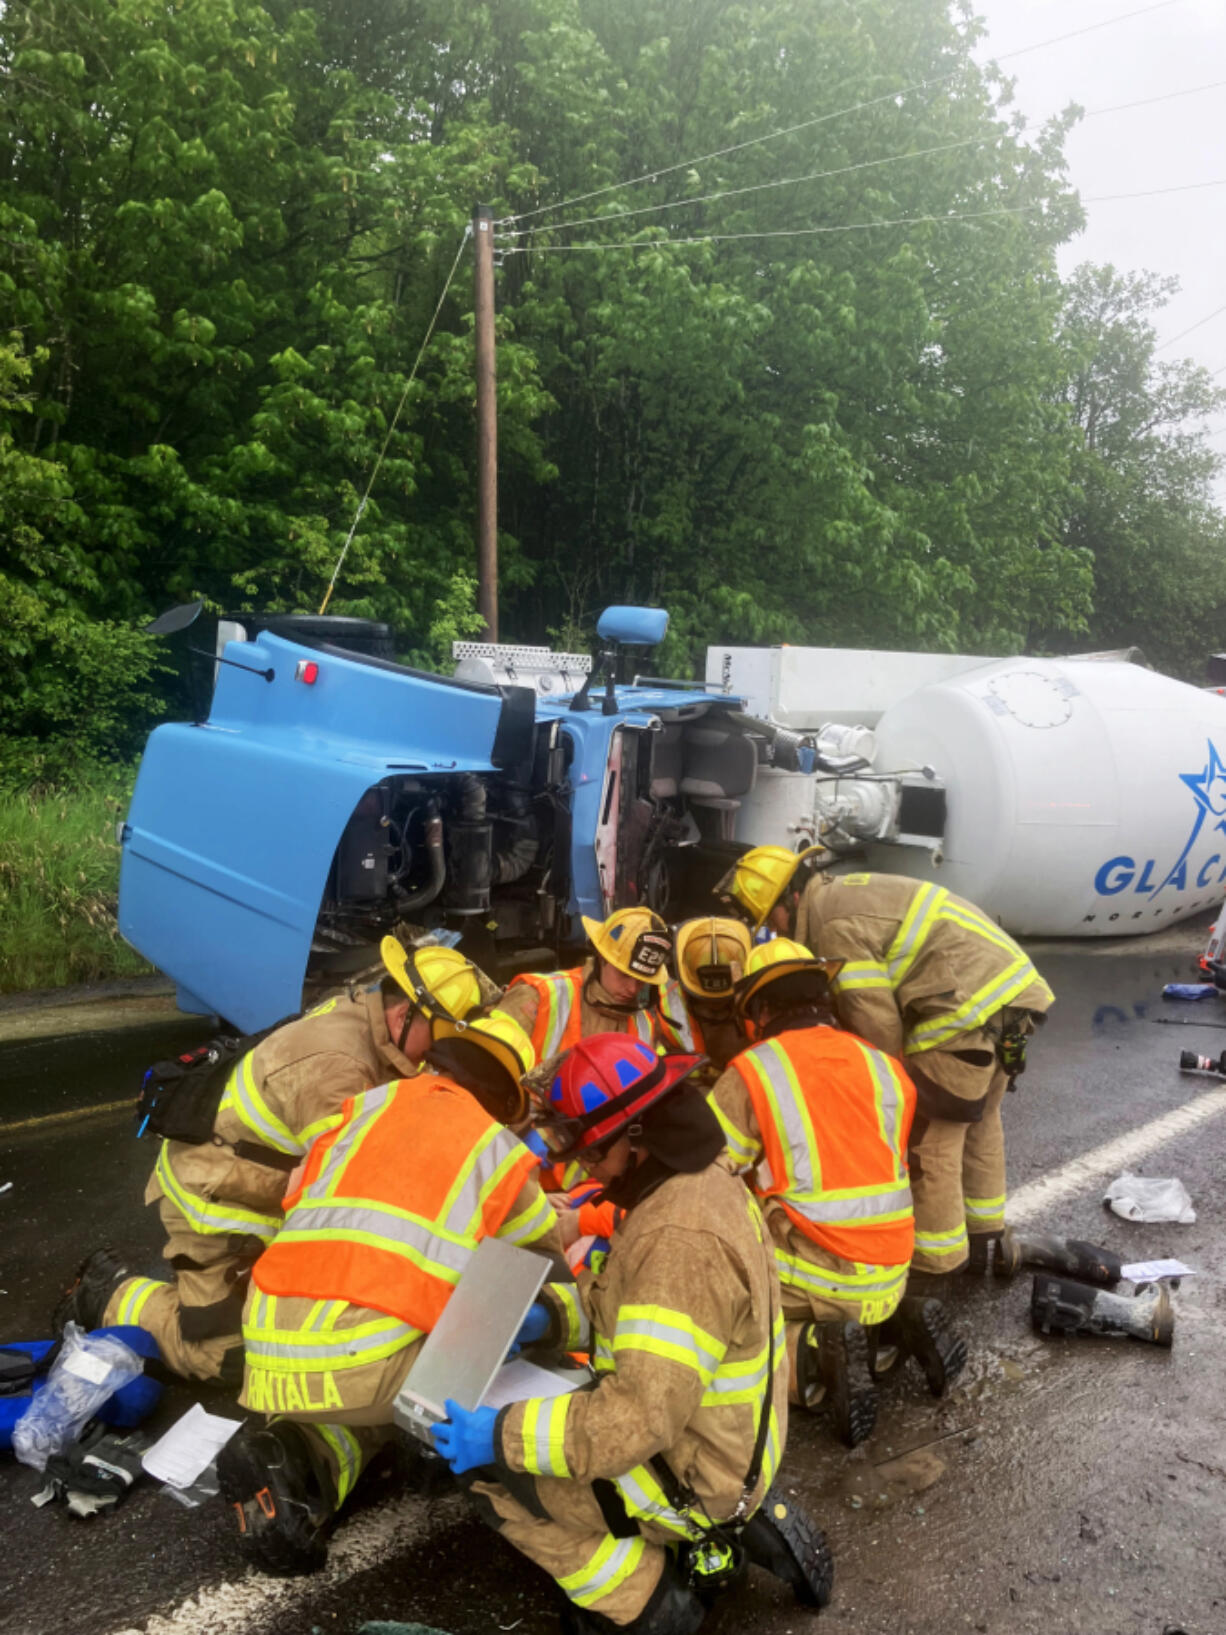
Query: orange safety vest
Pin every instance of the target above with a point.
(394, 1201)
(559, 1015)
(679, 1029)
(835, 1116)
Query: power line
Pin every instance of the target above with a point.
(842, 170)
(858, 227)
(823, 119)
(374, 472)
(1208, 318)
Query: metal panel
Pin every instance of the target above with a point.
(470, 1341)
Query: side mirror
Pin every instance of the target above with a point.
(174, 619)
(633, 626)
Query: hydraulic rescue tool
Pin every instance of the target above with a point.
(1190, 1062)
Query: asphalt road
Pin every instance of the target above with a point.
(1065, 1485)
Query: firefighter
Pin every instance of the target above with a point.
(710, 955)
(927, 976)
(819, 1122)
(220, 1203)
(620, 989)
(393, 1200)
(686, 1422)
(696, 1015)
(617, 990)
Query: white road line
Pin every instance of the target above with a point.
(231, 1608)
(1102, 1163)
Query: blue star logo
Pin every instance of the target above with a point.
(1209, 788)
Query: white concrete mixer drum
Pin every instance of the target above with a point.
(1085, 797)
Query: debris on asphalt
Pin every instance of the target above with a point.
(1148, 1198)
(7, 1185)
(189, 1447)
(1189, 990)
(1150, 1271)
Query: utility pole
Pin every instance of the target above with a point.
(487, 419)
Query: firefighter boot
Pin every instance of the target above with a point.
(780, 1537)
(919, 1329)
(280, 1499)
(984, 1252)
(1060, 1306)
(832, 1371)
(85, 1300)
(673, 1609)
(1071, 1257)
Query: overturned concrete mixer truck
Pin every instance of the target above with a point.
(329, 793)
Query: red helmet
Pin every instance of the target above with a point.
(603, 1086)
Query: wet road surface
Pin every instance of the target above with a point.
(1064, 1485)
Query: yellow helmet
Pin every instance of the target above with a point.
(760, 876)
(779, 958)
(711, 956)
(635, 941)
(501, 1037)
(440, 981)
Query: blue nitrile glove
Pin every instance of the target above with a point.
(535, 1326)
(466, 1437)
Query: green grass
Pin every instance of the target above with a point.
(59, 882)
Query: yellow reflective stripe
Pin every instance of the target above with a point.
(210, 1215)
(973, 1012)
(576, 1328)
(911, 935)
(531, 1223)
(642, 1024)
(463, 1176)
(543, 1435)
(985, 1209)
(675, 1020)
(244, 1097)
(303, 1350)
(673, 1335)
(784, 1096)
(745, 1381)
(643, 1496)
(312, 1131)
(890, 1102)
(864, 1278)
(362, 1120)
(972, 919)
(560, 994)
(742, 1150)
(861, 973)
(953, 1242)
(324, 1007)
(135, 1297)
(348, 1452)
(603, 1572)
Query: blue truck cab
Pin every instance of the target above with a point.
(331, 796)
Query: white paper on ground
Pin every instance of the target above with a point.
(1147, 1198)
(518, 1380)
(1149, 1271)
(189, 1447)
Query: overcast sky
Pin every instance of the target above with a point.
(1173, 48)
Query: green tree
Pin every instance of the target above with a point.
(1145, 470)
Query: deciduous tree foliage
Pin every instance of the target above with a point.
(224, 226)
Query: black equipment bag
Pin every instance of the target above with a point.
(179, 1097)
